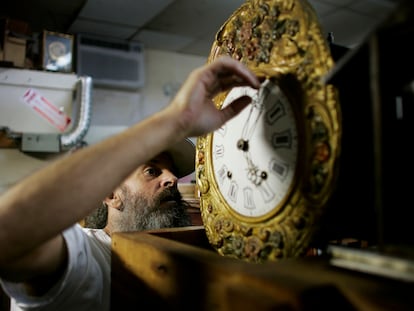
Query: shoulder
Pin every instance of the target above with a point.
(78, 235)
(86, 282)
(88, 247)
(99, 242)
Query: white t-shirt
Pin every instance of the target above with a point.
(86, 282)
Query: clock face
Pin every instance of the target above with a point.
(254, 155)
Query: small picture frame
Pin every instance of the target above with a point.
(57, 51)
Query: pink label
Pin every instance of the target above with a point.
(46, 109)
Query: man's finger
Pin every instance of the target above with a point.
(236, 107)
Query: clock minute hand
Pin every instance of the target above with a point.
(255, 112)
(253, 173)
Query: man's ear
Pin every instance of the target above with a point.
(114, 201)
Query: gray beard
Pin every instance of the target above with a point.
(140, 213)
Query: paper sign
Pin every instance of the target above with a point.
(46, 109)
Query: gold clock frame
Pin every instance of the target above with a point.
(282, 40)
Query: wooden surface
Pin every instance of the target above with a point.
(176, 269)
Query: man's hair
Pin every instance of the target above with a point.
(98, 218)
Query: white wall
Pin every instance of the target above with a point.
(164, 73)
(113, 110)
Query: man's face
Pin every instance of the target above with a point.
(150, 199)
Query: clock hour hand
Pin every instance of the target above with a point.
(253, 173)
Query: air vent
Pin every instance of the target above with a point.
(111, 63)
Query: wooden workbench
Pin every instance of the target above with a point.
(176, 269)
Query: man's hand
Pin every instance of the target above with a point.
(197, 112)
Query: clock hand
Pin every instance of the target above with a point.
(256, 109)
(253, 173)
(250, 125)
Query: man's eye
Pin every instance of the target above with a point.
(151, 171)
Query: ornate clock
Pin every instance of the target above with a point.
(265, 177)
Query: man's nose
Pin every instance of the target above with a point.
(168, 179)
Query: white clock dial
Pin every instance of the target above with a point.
(255, 167)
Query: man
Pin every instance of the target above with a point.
(47, 262)
(149, 198)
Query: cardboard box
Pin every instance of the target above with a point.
(13, 35)
(14, 50)
(14, 26)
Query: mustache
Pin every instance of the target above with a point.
(170, 194)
